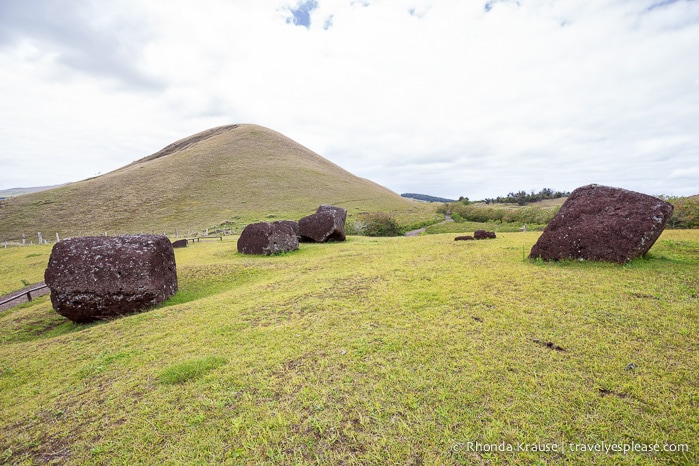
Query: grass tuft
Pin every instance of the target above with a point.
(188, 370)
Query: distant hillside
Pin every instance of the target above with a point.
(12, 192)
(426, 198)
(232, 174)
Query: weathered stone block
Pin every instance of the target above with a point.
(327, 224)
(102, 277)
(268, 238)
(603, 223)
(291, 224)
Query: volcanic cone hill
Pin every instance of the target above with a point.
(227, 175)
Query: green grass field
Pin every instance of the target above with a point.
(416, 350)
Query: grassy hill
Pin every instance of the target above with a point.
(12, 192)
(235, 174)
(372, 351)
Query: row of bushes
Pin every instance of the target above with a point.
(375, 224)
(384, 224)
(476, 213)
(522, 197)
(686, 213)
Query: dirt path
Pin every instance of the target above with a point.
(22, 295)
(414, 232)
(447, 219)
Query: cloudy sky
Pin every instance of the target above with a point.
(452, 98)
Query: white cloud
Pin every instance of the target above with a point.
(441, 97)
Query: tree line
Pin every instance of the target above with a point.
(685, 213)
(523, 197)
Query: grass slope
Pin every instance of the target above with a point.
(231, 174)
(20, 191)
(372, 351)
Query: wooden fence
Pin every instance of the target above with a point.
(192, 235)
(22, 294)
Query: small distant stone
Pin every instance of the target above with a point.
(463, 238)
(483, 234)
(180, 243)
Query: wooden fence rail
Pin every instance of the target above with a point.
(27, 293)
(192, 235)
(200, 238)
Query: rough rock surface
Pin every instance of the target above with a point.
(463, 238)
(482, 234)
(268, 238)
(102, 277)
(603, 223)
(327, 224)
(291, 224)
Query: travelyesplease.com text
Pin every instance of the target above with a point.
(566, 447)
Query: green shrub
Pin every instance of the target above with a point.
(381, 224)
(686, 213)
(356, 227)
(483, 214)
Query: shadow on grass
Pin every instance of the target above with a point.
(37, 320)
(652, 260)
(34, 321)
(193, 287)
